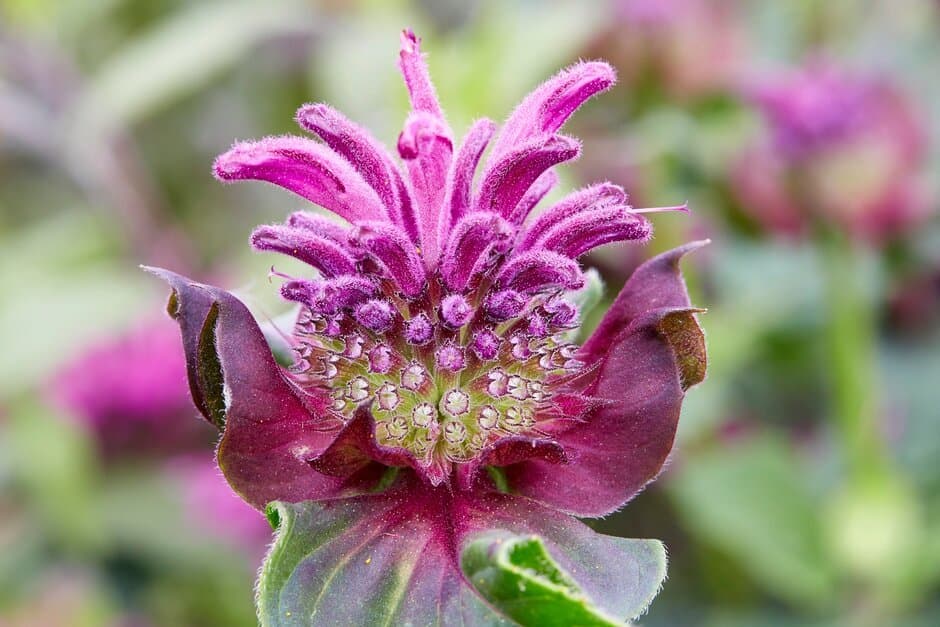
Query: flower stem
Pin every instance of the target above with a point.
(851, 350)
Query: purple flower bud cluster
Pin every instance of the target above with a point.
(447, 373)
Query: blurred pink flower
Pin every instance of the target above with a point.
(130, 391)
(689, 47)
(841, 148)
(213, 508)
(65, 595)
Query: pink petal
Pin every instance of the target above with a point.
(507, 179)
(540, 188)
(367, 156)
(330, 296)
(472, 242)
(460, 184)
(323, 254)
(417, 78)
(395, 252)
(546, 109)
(597, 195)
(427, 148)
(582, 232)
(536, 271)
(320, 226)
(306, 168)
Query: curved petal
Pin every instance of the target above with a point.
(539, 270)
(329, 296)
(407, 216)
(622, 444)
(395, 253)
(319, 226)
(539, 190)
(322, 253)
(572, 204)
(369, 157)
(426, 147)
(546, 108)
(507, 179)
(464, 166)
(657, 283)
(306, 168)
(269, 428)
(414, 69)
(589, 229)
(473, 241)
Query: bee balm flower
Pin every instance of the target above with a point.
(436, 406)
(686, 49)
(129, 392)
(842, 149)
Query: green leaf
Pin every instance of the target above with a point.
(752, 501)
(361, 562)
(517, 575)
(587, 300)
(392, 559)
(178, 55)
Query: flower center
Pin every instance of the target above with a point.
(444, 378)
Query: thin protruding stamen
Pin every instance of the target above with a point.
(684, 208)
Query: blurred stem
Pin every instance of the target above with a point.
(851, 347)
(877, 523)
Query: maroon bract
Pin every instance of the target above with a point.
(435, 383)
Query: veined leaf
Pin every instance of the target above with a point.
(362, 562)
(517, 575)
(395, 559)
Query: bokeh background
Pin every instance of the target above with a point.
(805, 485)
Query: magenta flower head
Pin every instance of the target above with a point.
(213, 510)
(426, 452)
(129, 392)
(842, 149)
